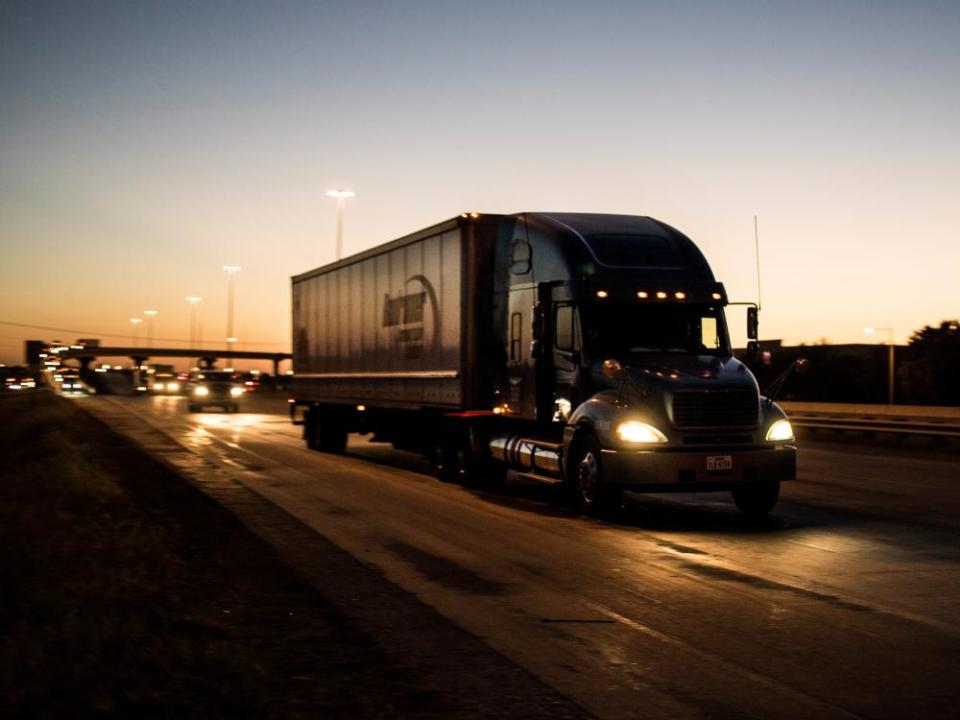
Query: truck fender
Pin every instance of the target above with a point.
(770, 413)
(597, 415)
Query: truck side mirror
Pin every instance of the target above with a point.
(611, 368)
(753, 351)
(753, 321)
(521, 257)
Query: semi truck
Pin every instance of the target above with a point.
(585, 350)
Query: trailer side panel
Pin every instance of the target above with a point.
(384, 329)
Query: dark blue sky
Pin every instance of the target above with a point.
(149, 143)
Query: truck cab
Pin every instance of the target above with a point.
(620, 367)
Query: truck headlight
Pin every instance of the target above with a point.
(780, 431)
(236, 391)
(638, 432)
(158, 386)
(201, 391)
(173, 387)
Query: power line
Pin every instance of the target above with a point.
(92, 333)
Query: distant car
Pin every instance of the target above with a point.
(215, 387)
(166, 384)
(19, 383)
(69, 380)
(251, 381)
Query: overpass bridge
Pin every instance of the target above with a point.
(207, 356)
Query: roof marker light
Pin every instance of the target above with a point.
(661, 295)
(680, 295)
(602, 293)
(643, 294)
(717, 296)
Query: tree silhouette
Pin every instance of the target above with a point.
(931, 376)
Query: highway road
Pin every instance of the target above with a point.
(844, 604)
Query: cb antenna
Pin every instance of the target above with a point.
(756, 244)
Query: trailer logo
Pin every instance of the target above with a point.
(406, 314)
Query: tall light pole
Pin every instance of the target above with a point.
(151, 314)
(340, 195)
(231, 271)
(194, 300)
(136, 330)
(890, 358)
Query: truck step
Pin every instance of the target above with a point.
(539, 478)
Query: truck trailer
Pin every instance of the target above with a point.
(585, 350)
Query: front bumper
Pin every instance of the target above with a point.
(683, 469)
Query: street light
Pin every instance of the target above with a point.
(151, 314)
(136, 330)
(231, 271)
(890, 358)
(340, 195)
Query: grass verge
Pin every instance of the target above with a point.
(126, 592)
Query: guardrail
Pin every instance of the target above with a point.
(917, 420)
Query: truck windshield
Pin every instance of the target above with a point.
(620, 329)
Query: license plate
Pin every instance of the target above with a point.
(719, 462)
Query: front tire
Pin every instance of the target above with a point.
(588, 491)
(756, 499)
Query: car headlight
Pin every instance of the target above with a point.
(236, 391)
(780, 431)
(158, 386)
(638, 432)
(172, 387)
(201, 391)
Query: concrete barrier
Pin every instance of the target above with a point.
(898, 419)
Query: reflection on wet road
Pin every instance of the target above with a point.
(846, 603)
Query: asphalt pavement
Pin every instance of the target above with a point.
(844, 604)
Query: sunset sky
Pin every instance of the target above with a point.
(144, 145)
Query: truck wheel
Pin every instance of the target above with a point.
(310, 429)
(329, 433)
(589, 493)
(756, 499)
(456, 461)
(453, 456)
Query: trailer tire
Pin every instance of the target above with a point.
(310, 429)
(325, 432)
(756, 499)
(588, 492)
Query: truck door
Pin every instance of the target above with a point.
(566, 360)
(521, 391)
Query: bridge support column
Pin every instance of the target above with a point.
(138, 362)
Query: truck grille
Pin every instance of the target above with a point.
(715, 409)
